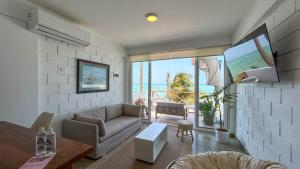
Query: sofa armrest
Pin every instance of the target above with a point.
(132, 110)
(87, 133)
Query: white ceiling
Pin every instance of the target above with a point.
(123, 21)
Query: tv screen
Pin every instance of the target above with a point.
(252, 61)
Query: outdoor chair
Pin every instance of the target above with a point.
(175, 109)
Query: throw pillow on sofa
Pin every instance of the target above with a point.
(132, 110)
(114, 111)
(99, 122)
(99, 113)
(84, 114)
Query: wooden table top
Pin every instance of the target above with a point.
(17, 145)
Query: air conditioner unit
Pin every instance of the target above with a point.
(57, 28)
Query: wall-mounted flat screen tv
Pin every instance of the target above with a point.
(252, 61)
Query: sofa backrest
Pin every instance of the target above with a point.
(176, 105)
(98, 113)
(132, 110)
(162, 104)
(113, 111)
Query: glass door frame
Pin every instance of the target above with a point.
(130, 97)
(197, 102)
(149, 93)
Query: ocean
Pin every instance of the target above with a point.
(161, 89)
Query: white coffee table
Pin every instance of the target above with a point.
(150, 142)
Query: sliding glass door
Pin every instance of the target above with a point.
(181, 81)
(140, 86)
(173, 84)
(210, 77)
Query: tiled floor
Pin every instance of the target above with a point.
(122, 157)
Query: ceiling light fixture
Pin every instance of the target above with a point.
(151, 17)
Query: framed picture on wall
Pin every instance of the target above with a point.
(92, 76)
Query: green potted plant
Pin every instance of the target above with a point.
(208, 110)
(221, 96)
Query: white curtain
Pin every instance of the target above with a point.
(212, 69)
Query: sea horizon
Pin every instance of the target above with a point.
(162, 87)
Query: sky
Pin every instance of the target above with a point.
(162, 67)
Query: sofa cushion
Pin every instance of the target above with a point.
(99, 113)
(114, 111)
(116, 125)
(132, 110)
(99, 122)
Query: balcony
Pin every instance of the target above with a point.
(174, 97)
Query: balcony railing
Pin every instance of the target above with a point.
(187, 98)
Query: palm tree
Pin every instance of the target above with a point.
(181, 88)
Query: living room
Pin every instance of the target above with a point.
(159, 63)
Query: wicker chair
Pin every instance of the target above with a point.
(224, 160)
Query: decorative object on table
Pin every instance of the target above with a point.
(185, 126)
(43, 120)
(222, 159)
(50, 143)
(40, 138)
(221, 96)
(208, 111)
(141, 102)
(92, 76)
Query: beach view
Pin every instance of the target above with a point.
(175, 83)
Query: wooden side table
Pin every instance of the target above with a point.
(186, 127)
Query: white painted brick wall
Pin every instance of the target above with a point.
(297, 78)
(57, 90)
(295, 115)
(273, 94)
(265, 106)
(291, 96)
(249, 91)
(282, 112)
(271, 132)
(291, 61)
(284, 11)
(56, 78)
(57, 60)
(259, 92)
(286, 80)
